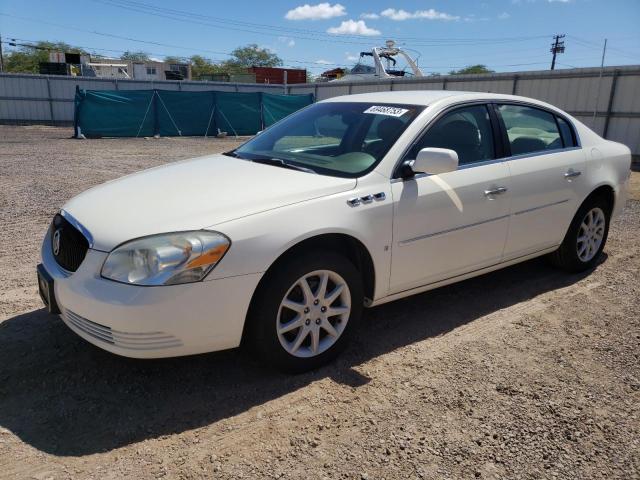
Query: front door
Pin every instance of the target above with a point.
(449, 224)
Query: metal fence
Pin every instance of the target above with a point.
(49, 99)
(608, 101)
(613, 94)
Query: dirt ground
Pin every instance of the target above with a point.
(523, 373)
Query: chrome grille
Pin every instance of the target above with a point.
(126, 340)
(68, 244)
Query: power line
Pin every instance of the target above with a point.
(323, 65)
(306, 30)
(149, 42)
(595, 46)
(311, 64)
(13, 42)
(316, 64)
(137, 40)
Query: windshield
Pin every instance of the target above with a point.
(336, 138)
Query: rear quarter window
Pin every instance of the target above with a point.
(567, 133)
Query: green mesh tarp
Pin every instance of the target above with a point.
(238, 113)
(142, 113)
(185, 113)
(116, 114)
(276, 107)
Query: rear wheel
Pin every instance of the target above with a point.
(305, 310)
(586, 237)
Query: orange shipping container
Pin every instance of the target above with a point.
(276, 75)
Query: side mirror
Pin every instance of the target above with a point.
(434, 161)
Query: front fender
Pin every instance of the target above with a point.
(259, 240)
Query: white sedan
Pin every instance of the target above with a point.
(349, 203)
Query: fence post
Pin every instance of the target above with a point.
(76, 108)
(612, 94)
(514, 88)
(444, 83)
(50, 101)
(156, 117)
(261, 96)
(316, 92)
(391, 85)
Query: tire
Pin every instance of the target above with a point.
(268, 314)
(576, 254)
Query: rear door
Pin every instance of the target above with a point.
(546, 167)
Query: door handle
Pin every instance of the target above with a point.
(495, 191)
(572, 173)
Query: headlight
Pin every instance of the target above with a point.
(166, 259)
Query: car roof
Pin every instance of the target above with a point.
(426, 97)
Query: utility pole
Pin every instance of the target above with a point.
(595, 109)
(556, 47)
(1, 56)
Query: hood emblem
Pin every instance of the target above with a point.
(56, 241)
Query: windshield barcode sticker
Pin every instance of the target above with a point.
(382, 110)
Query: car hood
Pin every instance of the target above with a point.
(190, 195)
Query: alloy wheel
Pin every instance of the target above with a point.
(591, 234)
(313, 313)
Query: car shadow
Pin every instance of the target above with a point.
(63, 396)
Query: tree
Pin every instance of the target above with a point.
(171, 59)
(252, 56)
(130, 56)
(27, 58)
(471, 69)
(203, 66)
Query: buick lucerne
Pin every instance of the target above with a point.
(349, 203)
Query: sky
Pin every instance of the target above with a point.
(505, 35)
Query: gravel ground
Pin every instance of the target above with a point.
(522, 373)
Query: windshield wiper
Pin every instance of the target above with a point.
(278, 162)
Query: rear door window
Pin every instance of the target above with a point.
(530, 129)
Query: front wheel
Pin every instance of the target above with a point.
(305, 310)
(585, 238)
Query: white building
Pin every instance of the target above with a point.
(117, 68)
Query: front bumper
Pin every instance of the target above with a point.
(150, 322)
